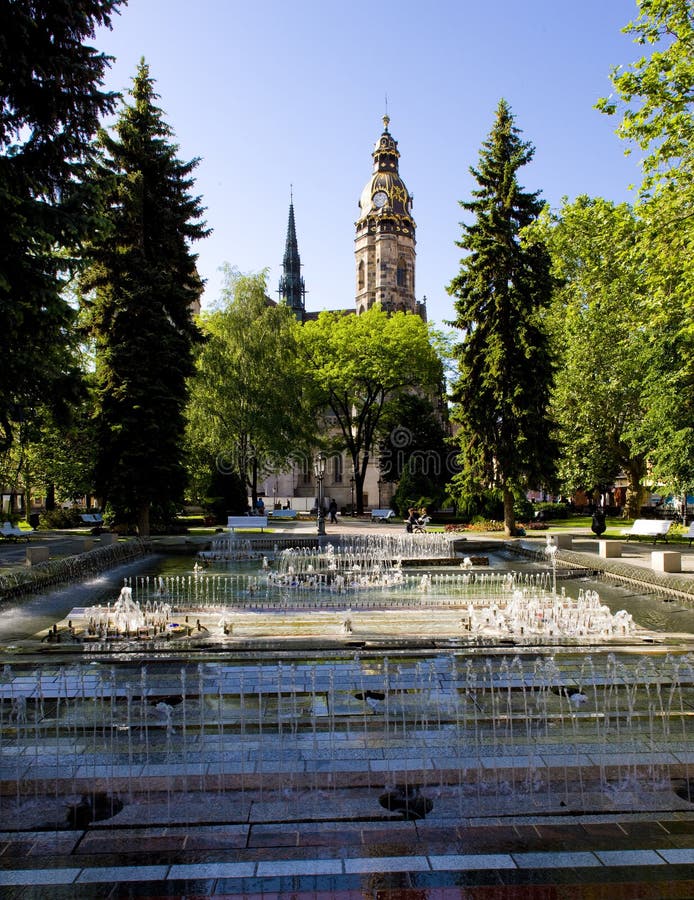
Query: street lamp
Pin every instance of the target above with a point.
(351, 494)
(319, 472)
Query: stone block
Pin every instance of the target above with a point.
(37, 554)
(609, 549)
(563, 541)
(666, 561)
(108, 538)
(85, 545)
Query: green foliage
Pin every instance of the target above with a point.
(415, 451)
(50, 103)
(548, 511)
(487, 504)
(225, 493)
(60, 518)
(602, 336)
(655, 93)
(502, 395)
(247, 409)
(355, 366)
(139, 292)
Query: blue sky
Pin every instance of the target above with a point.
(274, 93)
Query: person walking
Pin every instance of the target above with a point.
(332, 510)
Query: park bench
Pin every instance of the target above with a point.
(92, 518)
(382, 515)
(652, 528)
(689, 534)
(282, 514)
(11, 532)
(234, 522)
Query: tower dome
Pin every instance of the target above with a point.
(385, 235)
(385, 194)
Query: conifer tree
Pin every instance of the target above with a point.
(505, 367)
(141, 290)
(50, 104)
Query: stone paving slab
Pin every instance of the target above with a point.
(630, 858)
(471, 862)
(278, 867)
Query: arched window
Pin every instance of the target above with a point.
(338, 468)
(401, 274)
(361, 281)
(306, 471)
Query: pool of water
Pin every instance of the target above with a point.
(21, 618)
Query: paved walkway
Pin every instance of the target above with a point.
(628, 857)
(61, 543)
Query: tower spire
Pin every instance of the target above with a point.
(291, 288)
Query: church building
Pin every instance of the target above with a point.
(384, 251)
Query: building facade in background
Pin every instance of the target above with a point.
(385, 256)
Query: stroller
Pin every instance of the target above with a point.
(420, 526)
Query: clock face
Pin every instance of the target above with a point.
(379, 199)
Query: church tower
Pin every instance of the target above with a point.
(384, 246)
(291, 290)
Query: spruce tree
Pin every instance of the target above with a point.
(50, 104)
(505, 366)
(141, 290)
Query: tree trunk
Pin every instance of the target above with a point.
(359, 492)
(254, 485)
(359, 478)
(635, 490)
(50, 497)
(27, 495)
(143, 520)
(509, 516)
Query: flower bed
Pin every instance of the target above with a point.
(492, 525)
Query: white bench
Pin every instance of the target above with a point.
(689, 534)
(13, 533)
(282, 514)
(654, 528)
(234, 522)
(381, 515)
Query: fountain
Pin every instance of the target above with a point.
(335, 682)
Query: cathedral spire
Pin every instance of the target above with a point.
(291, 290)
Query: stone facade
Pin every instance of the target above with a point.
(385, 236)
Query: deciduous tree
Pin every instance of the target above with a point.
(604, 346)
(247, 409)
(355, 365)
(654, 97)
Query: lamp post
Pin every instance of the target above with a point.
(380, 486)
(351, 494)
(319, 472)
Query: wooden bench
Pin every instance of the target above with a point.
(382, 515)
(282, 514)
(234, 522)
(653, 528)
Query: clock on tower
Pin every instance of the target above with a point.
(385, 235)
